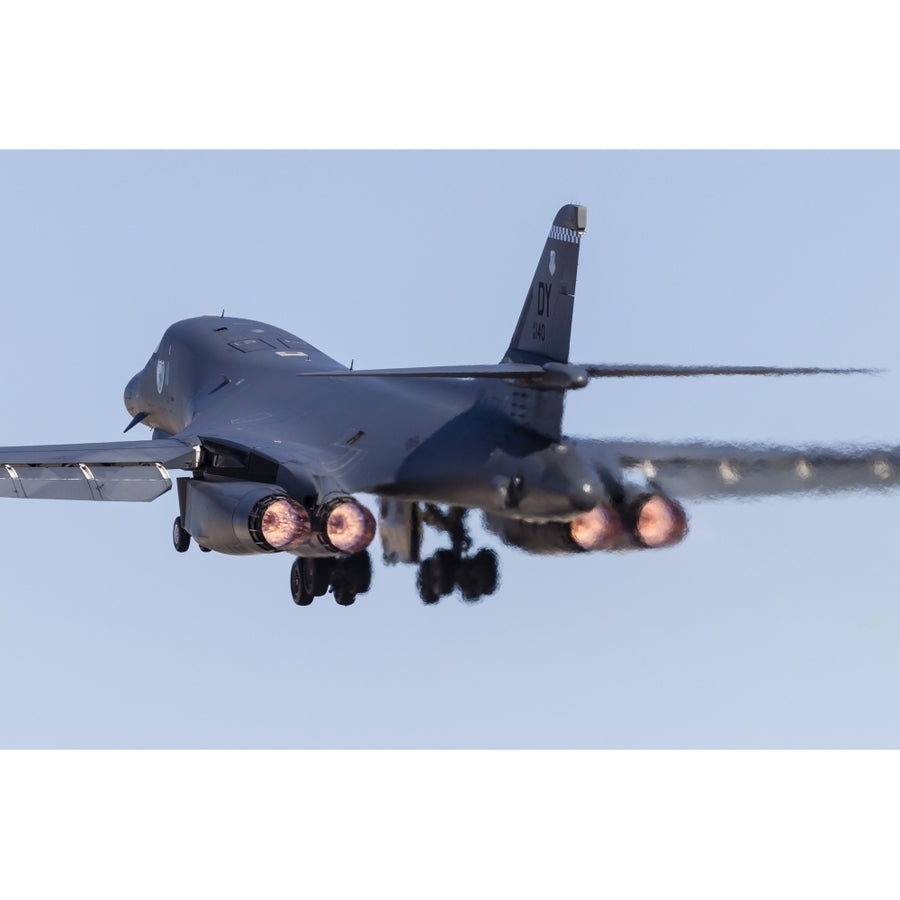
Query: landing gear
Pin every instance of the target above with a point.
(181, 538)
(437, 576)
(317, 574)
(475, 576)
(351, 576)
(311, 577)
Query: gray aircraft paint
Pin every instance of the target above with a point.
(233, 401)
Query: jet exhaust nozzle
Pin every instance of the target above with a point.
(282, 523)
(242, 518)
(598, 529)
(348, 526)
(658, 521)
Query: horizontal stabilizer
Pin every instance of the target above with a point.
(640, 371)
(488, 371)
(568, 376)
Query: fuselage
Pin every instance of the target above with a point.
(441, 441)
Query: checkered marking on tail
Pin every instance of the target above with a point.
(558, 233)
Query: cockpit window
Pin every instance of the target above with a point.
(250, 345)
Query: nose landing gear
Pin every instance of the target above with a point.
(181, 537)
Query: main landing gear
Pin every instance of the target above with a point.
(311, 577)
(475, 576)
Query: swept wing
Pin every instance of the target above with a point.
(127, 470)
(699, 470)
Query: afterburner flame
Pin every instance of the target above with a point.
(349, 527)
(284, 523)
(659, 521)
(596, 529)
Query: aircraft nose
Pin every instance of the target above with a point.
(133, 395)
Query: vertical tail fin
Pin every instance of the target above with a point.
(545, 323)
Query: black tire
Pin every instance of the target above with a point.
(181, 538)
(447, 566)
(358, 569)
(426, 581)
(316, 574)
(477, 577)
(343, 581)
(344, 595)
(299, 593)
(467, 579)
(486, 569)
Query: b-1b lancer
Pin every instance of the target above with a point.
(278, 440)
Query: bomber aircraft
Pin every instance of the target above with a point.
(277, 440)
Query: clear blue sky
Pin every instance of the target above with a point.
(776, 624)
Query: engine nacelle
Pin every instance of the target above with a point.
(241, 518)
(643, 521)
(598, 529)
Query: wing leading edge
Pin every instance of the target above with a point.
(123, 471)
(707, 471)
(567, 376)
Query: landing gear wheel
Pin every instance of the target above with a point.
(478, 575)
(437, 576)
(181, 538)
(343, 595)
(316, 574)
(350, 576)
(428, 581)
(300, 593)
(447, 565)
(486, 565)
(358, 568)
(468, 582)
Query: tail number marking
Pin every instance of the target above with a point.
(543, 303)
(539, 329)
